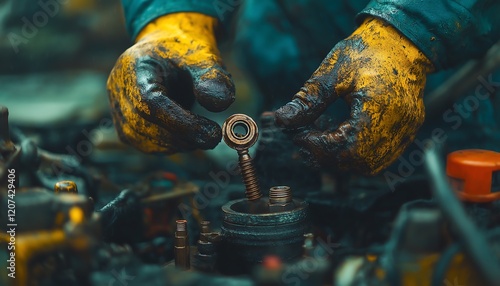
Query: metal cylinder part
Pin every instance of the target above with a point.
(181, 248)
(65, 187)
(205, 227)
(280, 195)
(205, 243)
(280, 199)
(6, 145)
(205, 258)
(4, 123)
(248, 237)
(205, 230)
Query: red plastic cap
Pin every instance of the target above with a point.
(471, 174)
(272, 262)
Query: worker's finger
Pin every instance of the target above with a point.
(332, 147)
(328, 148)
(213, 87)
(372, 137)
(142, 134)
(157, 106)
(313, 98)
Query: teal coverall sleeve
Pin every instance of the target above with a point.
(138, 13)
(448, 32)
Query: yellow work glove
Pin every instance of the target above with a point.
(381, 75)
(174, 62)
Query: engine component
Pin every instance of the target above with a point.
(418, 243)
(474, 175)
(474, 241)
(9, 154)
(182, 245)
(241, 141)
(280, 199)
(6, 145)
(61, 233)
(37, 163)
(257, 227)
(248, 237)
(463, 80)
(205, 258)
(68, 187)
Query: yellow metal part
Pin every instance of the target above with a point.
(419, 271)
(460, 272)
(412, 271)
(76, 215)
(30, 245)
(68, 187)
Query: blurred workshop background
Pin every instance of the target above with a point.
(54, 64)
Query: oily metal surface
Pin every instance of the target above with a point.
(238, 217)
(248, 237)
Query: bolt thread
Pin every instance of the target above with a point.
(249, 176)
(280, 195)
(181, 225)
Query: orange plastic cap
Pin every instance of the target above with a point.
(474, 174)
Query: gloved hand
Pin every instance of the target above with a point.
(174, 62)
(381, 75)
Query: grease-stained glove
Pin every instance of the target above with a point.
(174, 62)
(381, 75)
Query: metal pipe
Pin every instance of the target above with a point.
(462, 81)
(181, 248)
(474, 241)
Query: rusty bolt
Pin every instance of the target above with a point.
(241, 141)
